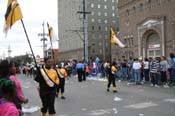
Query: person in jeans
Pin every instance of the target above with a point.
(172, 69)
(137, 71)
(155, 70)
(163, 70)
(146, 69)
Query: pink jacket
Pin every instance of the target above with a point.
(18, 85)
(8, 109)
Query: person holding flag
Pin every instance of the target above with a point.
(48, 80)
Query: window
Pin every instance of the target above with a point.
(99, 28)
(158, 2)
(106, 14)
(113, 14)
(113, 21)
(105, 0)
(134, 9)
(100, 51)
(113, 0)
(132, 42)
(92, 20)
(99, 20)
(113, 7)
(92, 5)
(141, 7)
(106, 36)
(100, 36)
(106, 21)
(92, 13)
(105, 6)
(117, 1)
(100, 44)
(92, 27)
(127, 23)
(106, 45)
(98, 5)
(149, 3)
(127, 11)
(99, 13)
(106, 28)
(93, 51)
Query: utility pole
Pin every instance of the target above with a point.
(85, 38)
(44, 39)
(9, 52)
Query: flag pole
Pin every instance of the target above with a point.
(53, 52)
(110, 45)
(28, 42)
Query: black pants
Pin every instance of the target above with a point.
(111, 79)
(80, 72)
(48, 101)
(61, 85)
(84, 75)
(155, 78)
(146, 74)
(163, 77)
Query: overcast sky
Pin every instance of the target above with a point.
(34, 13)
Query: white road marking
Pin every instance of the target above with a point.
(115, 111)
(83, 109)
(141, 105)
(170, 100)
(103, 112)
(118, 99)
(97, 79)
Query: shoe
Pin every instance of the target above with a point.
(152, 85)
(156, 85)
(128, 84)
(108, 90)
(166, 86)
(56, 95)
(62, 97)
(115, 91)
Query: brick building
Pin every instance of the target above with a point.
(147, 27)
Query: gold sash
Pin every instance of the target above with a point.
(60, 74)
(47, 79)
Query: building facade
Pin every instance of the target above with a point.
(53, 53)
(147, 27)
(70, 30)
(103, 16)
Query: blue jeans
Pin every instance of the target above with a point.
(137, 75)
(172, 74)
(124, 73)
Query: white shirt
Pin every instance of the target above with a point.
(146, 65)
(136, 65)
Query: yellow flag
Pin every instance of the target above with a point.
(52, 34)
(13, 14)
(115, 40)
(50, 29)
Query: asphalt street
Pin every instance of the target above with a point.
(90, 98)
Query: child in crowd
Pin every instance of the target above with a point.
(7, 107)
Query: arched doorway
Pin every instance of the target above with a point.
(153, 45)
